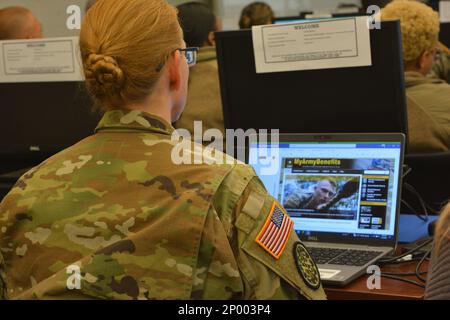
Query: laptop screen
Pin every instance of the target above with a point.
(333, 189)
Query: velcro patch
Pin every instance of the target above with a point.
(306, 266)
(276, 231)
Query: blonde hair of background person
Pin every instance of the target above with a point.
(19, 23)
(122, 60)
(256, 14)
(420, 30)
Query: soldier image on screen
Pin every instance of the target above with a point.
(324, 192)
(325, 195)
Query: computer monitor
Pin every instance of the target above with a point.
(286, 20)
(343, 100)
(43, 118)
(303, 14)
(444, 35)
(305, 18)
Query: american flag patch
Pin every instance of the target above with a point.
(274, 236)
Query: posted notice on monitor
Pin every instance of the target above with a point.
(321, 44)
(444, 11)
(55, 59)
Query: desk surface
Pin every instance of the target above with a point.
(391, 289)
(411, 229)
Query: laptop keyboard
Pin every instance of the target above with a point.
(342, 256)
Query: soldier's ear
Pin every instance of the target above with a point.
(424, 59)
(174, 70)
(211, 41)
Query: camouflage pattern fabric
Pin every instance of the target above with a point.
(136, 226)
(441, 68)
(298, 199)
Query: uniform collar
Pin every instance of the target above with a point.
(133, 120)
(414, 78)
(206, 54)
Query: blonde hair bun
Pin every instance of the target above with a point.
(121, 64)
(103, 74)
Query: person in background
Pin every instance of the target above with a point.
(438, 282)
(256, 14)
(428, 98)
(17, 23)
(441, 69)
(204, 100)
(119, 212)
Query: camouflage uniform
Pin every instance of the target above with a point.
(140, 227)
(299, 200)
(428, 113)
(441, 68)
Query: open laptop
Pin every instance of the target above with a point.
(341, 190)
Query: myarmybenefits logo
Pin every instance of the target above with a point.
(317, 162)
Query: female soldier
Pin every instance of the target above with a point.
(116, 217)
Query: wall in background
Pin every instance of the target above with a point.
(230, 10)
(52, 13)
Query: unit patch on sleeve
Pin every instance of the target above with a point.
(306, 266)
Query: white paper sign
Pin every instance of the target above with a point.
(43, 60)
(312, 45)
(444, 11)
